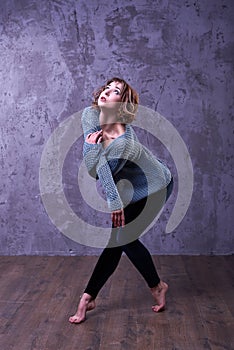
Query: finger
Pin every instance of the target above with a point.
(97, 136)
(94, 133)
(113, 219)
(89, 138)
(123, 219)
(117, 220)
(120, 220)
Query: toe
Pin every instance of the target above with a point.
(72, 319)
(158, 308)
(76, 320)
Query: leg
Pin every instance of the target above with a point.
(142, 260)
(106, 265)
(137, 252)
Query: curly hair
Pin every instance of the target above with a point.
(129, 98)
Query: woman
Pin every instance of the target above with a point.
(136, 184)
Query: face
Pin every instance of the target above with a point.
(110, 97)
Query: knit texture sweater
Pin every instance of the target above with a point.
(127, 170)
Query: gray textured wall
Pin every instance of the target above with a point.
(178, 54)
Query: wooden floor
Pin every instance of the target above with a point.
(37, 295)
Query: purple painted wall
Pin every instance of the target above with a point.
(178, 54)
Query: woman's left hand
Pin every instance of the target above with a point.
(118, 218)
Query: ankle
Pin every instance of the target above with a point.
(157, 287)
(86, 297)
(161, 285)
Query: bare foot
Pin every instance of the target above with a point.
(86, 304)
(159, 294)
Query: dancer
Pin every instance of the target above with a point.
(136, 185)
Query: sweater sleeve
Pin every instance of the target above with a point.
(112, 160)
(91, 152)
(90, 120)
(105, 176)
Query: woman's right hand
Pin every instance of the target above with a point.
(118, 218)
(95, 137)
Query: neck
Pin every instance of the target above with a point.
(106, 118)
(109, 124)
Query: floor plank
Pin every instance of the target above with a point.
(38, 294)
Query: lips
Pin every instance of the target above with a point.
(103, 99)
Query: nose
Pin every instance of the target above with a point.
(107, 92)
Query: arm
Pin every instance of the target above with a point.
(91, 150)
(90, 120)
(113, 199)
(105, 176)
(97, 164)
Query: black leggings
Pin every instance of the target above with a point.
(138, 216)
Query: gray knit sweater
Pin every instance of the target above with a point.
(128, 171)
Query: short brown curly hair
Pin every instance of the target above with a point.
(129, 97)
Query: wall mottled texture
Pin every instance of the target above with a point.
(178, 55)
